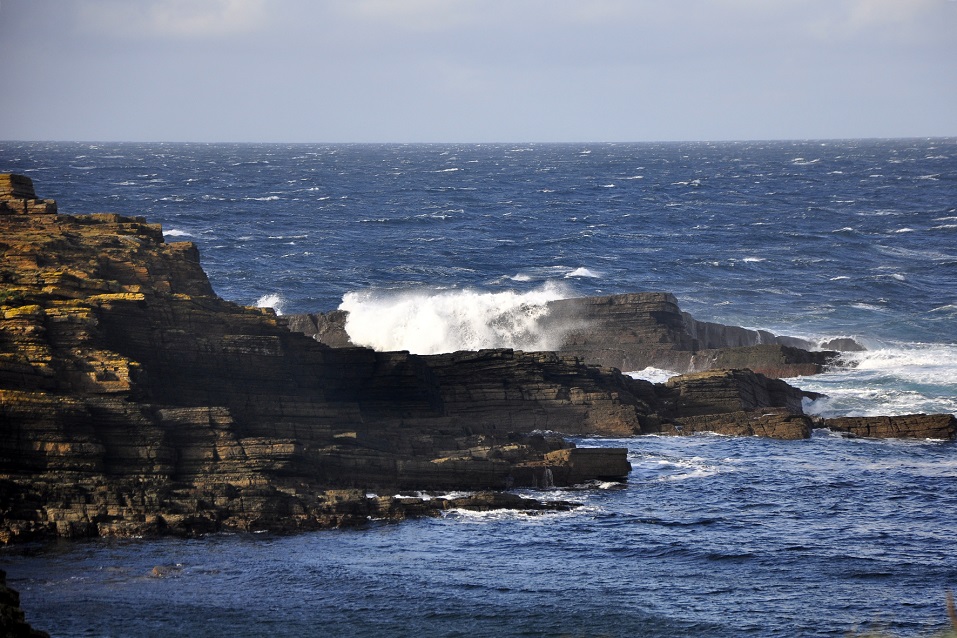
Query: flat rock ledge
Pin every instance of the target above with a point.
(910, 426)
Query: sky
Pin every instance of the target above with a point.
(476, 70)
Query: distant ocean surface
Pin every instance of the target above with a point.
(443, 247)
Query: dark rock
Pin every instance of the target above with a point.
(134, 401)
(910, 426)
(771, 423)
(13, 622)
(772, 360)
(326, 328)
(726, 391)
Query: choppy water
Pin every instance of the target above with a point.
(713, 536)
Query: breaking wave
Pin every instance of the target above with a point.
(433, 322)
(274, 301)
(905, 378)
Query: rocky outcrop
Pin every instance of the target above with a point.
(135, 401)
(634, 331)
(910, 426)
(13, 622)
(17, 197)
(731, 402)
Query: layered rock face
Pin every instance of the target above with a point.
(634, 331)
(909, 426)
(133, 400)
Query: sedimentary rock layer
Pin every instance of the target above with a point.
(909, 426)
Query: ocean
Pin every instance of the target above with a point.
(444, 246)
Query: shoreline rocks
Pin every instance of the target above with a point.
(134, 401)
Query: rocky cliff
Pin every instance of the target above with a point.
(634, 331)
(133, 400)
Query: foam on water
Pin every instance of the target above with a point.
(273, 301)
(893, 379)
(653, 374)
(583, 272)
(433, 322)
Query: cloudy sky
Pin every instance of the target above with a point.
(476, 70)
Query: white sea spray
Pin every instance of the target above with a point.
(432, 322)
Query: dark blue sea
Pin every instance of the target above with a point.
(442, 247)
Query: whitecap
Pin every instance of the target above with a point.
(944, 227)
(583, 272)
(904, 230)
(661, 468)
(753, 259)
(867, 306)
(948, 308)
(527, 517)
(174, 232)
